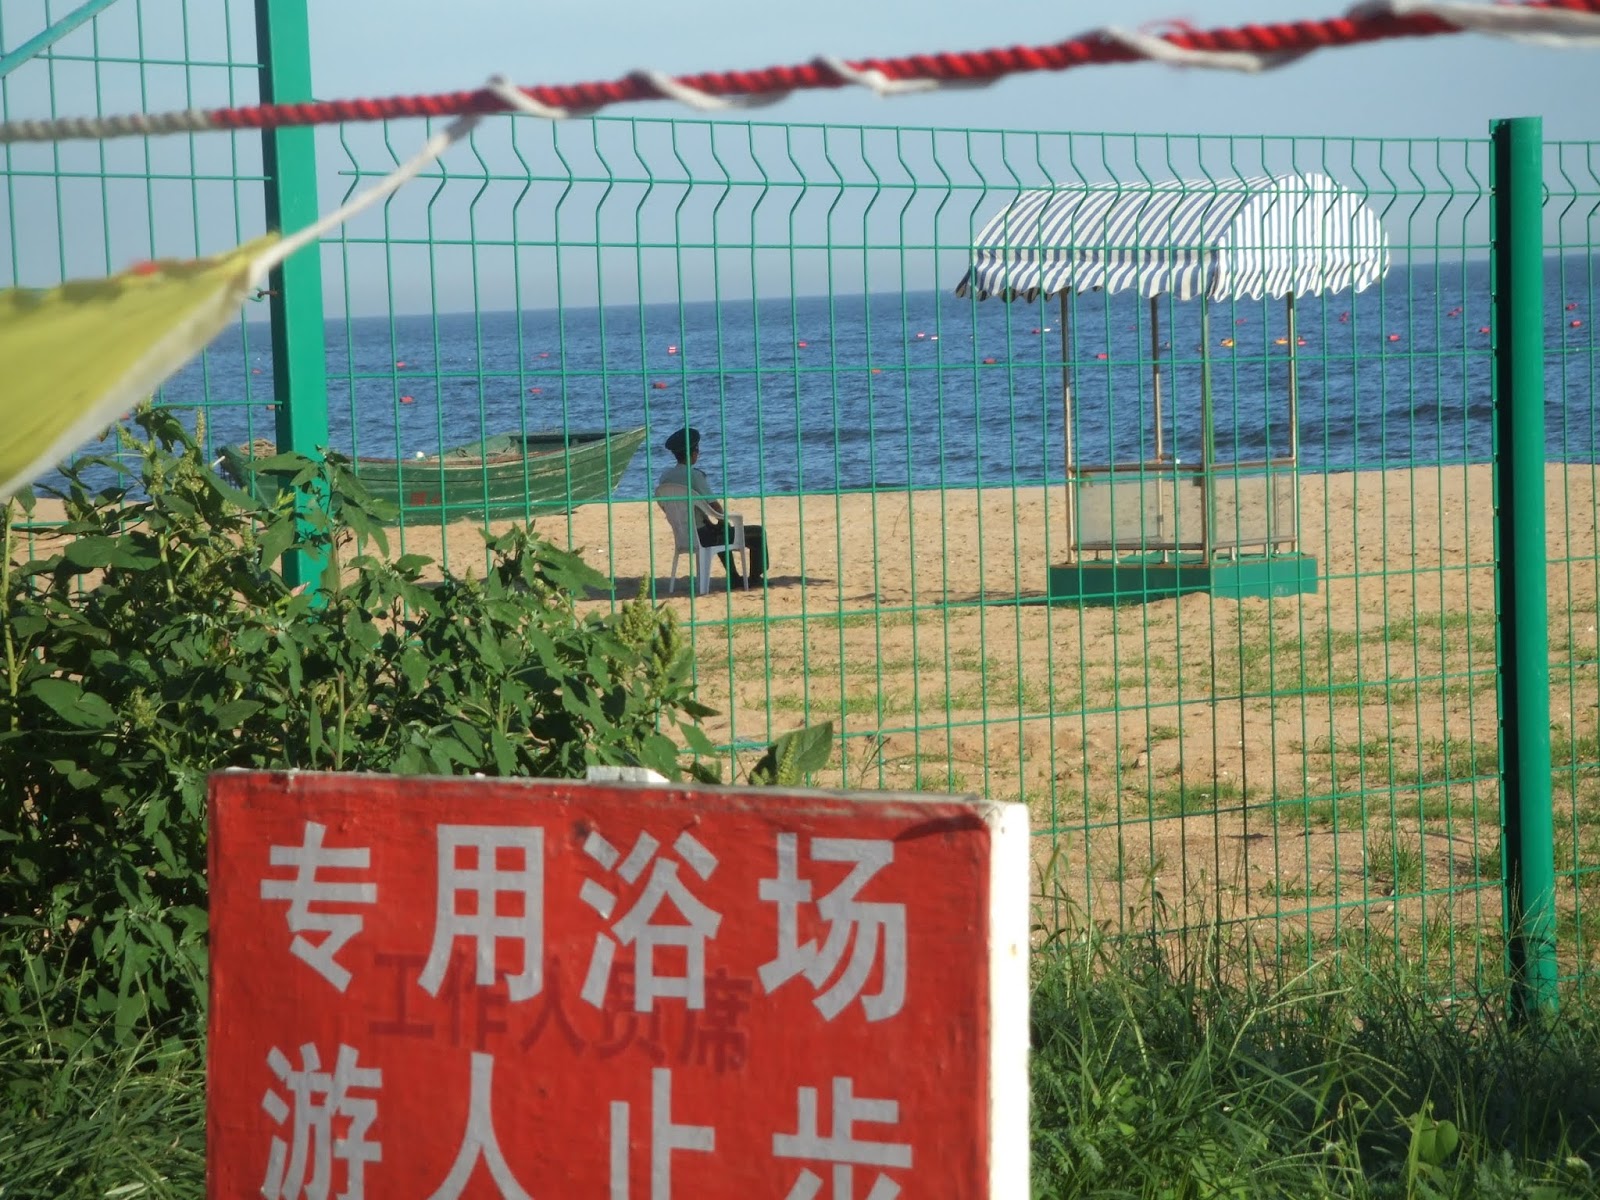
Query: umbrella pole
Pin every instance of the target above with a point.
(1205, 427)
(1294, 424)
(1066, 429)
(1155, 384)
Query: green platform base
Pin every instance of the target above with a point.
(1139, 580)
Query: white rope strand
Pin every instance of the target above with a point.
(519, 101)
(1158, 49)
(1539, 26)
(872, 79)
(665, 85)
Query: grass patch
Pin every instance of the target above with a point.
(1454, 760)
(1454, 805)
(79, 1120)
(1153, 1077)
(1395, 864)
(1568, 749)
(1186, 798)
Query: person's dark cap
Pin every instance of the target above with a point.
(683, 443)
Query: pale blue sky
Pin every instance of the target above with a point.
(1445, 86)
(1449, 86)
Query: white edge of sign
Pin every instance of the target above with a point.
(607, 774)
(1009, 1127)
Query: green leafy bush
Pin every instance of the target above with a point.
(153, 639)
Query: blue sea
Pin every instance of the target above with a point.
(929, 389)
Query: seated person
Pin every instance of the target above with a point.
(684, 445)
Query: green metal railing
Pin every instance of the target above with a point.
(1318, 769)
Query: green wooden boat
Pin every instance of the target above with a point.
(508, 475)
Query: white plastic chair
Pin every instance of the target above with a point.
(675, 503)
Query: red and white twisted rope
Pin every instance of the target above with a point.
(1252, 48)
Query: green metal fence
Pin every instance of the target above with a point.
(1571, 173)
(1316, 769)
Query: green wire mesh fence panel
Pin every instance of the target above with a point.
(1145, 479)
(86, 209)
(1572, 371)
(1207, 582)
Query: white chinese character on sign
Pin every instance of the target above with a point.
(638, 927)
(303, 1166)
(841, 1149)
(665, 1137)
(479, 1140)
(481, 866)
(306, 889)
(871, 927)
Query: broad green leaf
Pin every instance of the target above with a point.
(79, 355)
(231, 714)
(107, 552)
(73, 704)
(28, 626)
(76, 776)
(696, 739)
(793, 756)
(408, 564)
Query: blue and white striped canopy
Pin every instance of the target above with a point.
(1266, 236)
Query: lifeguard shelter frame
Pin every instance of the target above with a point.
(1275, 236)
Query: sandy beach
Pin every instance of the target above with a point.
(1313, 757)
(1303, 764)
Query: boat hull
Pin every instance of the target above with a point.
(507, 476)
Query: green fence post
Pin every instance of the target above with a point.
(1521, 620)
(299, 363)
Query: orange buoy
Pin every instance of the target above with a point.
(1101, 356)
(659, 386)
(1574, 323)
(1299, 341)
(272, 408)
(400, 364)
(672, 349)
(1227, 341)
(877, 370)
(1483, 329)
(802, 345)
(988, 362)
(407, 400)
(1240, 321)
(544, 354)
(922, 335)
(535, 389)
(255, 370)
(1394, 337)
(1572, 307)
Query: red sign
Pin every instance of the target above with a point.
(439, 988)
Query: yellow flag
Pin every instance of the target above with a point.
(73, 358)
